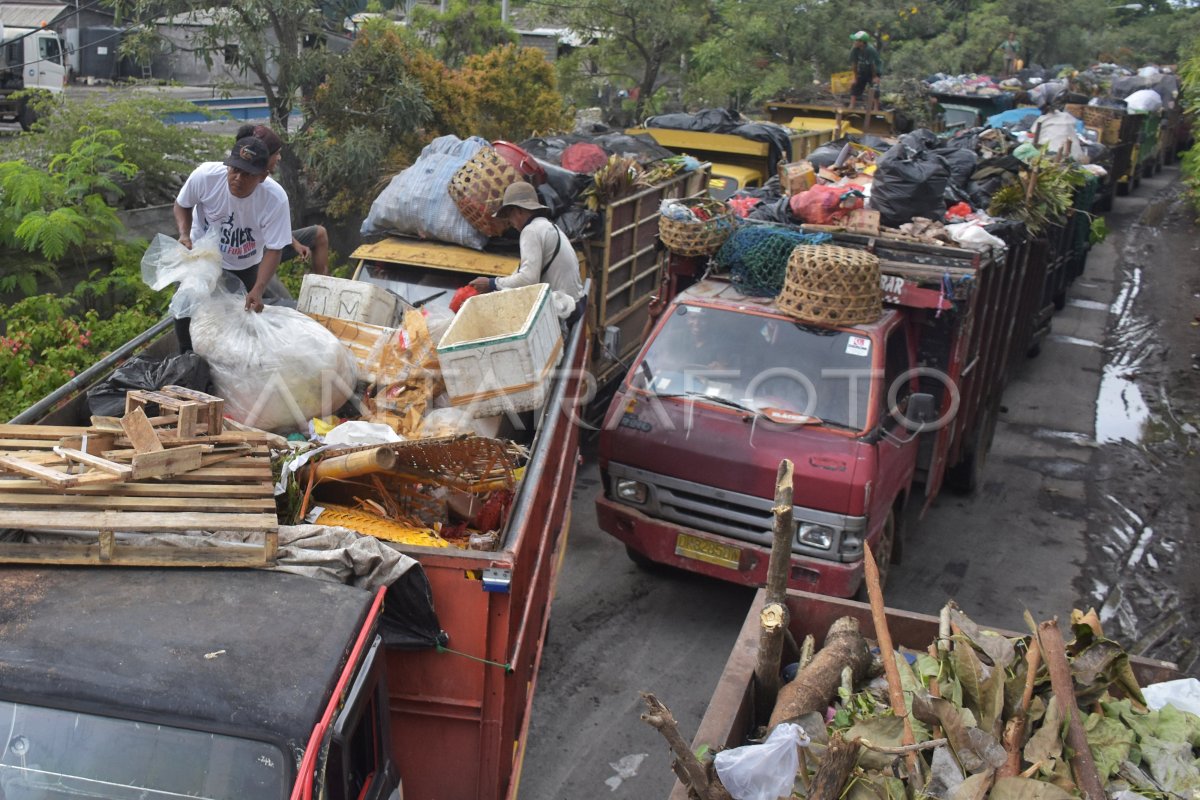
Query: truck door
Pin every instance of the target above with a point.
(44, 62)
(897, 448)
(359, 766)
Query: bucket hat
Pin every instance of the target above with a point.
(250, 155)
(520, 195)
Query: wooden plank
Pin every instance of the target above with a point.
(139, 431)
(167, 462)
(228, 437)
(10, 445)
(145, 521)
(52, 477)
(273, 439)
(136, 398)
(93, 443)
(189, 415)
(216, 505)
(121, 471)
(136, 555)
(39, 431)
(108, 543)
(215, 406)
(31, 488)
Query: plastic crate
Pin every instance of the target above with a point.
(346, 299)
(497, 355)
(841, 82)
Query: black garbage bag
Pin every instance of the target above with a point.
(962, 163)
(551, 200)
(567, 185)
(778, 211)
(920, 139)
(579, 223)
(909, 183)
(107, 398)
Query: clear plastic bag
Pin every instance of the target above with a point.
(276, 369)
(764, 771)
(197, 271)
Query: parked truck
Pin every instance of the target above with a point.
(31, 59)
(623, 262)
(737, 162)
(874, 417)
(458, 721)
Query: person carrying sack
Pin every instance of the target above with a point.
(546, 253)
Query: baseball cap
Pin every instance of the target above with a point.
(249, 154)
(861, 36)
(269, 137)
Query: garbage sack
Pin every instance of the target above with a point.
(909, 183)
(961, 162)
(107, 398)
(276, 369)
(1047, 93)
(1056, 130)
(356, 432)
(566, 184)
(1144, 100)
(580, 223)
(417, 202)
(197, 271)
(824, 204)
(764, 771)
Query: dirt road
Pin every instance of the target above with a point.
(1089, 498)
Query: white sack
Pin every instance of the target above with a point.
(1144, 100)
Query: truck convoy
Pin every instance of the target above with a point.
(30, 59)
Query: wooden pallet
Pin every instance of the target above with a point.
(231, 490)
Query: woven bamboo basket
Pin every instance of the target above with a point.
(687, 238)
(477, 188)
(831, 286)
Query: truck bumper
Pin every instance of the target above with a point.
(660, 542)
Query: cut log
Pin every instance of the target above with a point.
(816, 685)
(835, 768)
(703, 782)
(774, 618)
(1054, 651)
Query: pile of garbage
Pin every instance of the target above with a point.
(969, 84)
(452, 190)
(975, 713)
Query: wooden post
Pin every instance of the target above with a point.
(1054, 652)
(888, 654)
(774, 619)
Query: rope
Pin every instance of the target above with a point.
(756, 257)
(506, 667)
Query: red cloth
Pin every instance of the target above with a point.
(464, 294)
(584, 157)
(742, 205)
(959, 210)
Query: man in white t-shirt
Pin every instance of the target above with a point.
(252, 214)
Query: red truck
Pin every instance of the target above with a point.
(873, 416)
(457, 722)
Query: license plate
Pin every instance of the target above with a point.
(693, 547)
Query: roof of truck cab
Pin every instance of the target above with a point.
(250, 653)
(723, 294)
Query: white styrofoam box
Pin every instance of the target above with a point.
(346, 299)
(497, 355)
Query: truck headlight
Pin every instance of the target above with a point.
(814, 535)
(631, 491)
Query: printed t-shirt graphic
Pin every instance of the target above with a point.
(248, 225)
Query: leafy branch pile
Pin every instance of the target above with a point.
(985, 721)
(1046, 201)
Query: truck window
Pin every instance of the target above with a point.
(49, 50)
(896, 363)
(760, 361)
(52, 754)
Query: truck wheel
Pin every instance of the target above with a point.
(642, 563)
(963, 477)
(1060, 300)
(882, 551)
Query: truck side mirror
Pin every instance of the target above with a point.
(921, 408)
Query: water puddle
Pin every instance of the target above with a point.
(1062, 337)
(1121, 410)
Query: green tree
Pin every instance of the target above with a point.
(273, 39)
(513, 94)
(466, 29)
(634, 43)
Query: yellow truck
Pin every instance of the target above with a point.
(835, 117)
(624, 265)
(737, 162)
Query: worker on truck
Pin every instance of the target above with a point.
(867, 67)
(546, 253)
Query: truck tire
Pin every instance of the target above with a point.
(1123, 188)
(1060, 300)
(882, 551)
(641, 562)
(963, 477)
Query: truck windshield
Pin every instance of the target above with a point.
(760, 363)
(50, 754)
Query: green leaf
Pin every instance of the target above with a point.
(970, 671)
(1110, 742)
(1026, 789)
(1172, 765)
(883, 731)
(1000, 650)
(1046, 742)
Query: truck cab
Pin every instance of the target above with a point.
(238, 684)
(30, 58)
(726, 388)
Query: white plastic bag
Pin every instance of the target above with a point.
(764, 771)
(1144, 100)
(197, 271)
(417, 202)
(275, 369)
(972, 236)
(357, 432)
(1183, 693)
